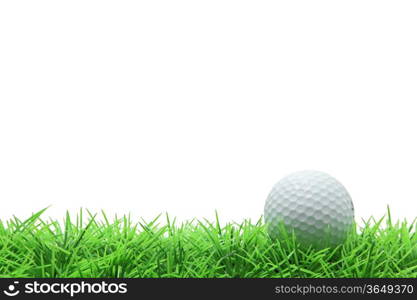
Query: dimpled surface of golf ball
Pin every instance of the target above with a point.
(311, 204)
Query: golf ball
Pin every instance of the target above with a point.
(311, 204)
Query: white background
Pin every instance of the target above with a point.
(185, 107)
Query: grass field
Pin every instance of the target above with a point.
(84, 247)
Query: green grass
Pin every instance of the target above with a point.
(85, 247)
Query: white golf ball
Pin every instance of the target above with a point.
(312, 205)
